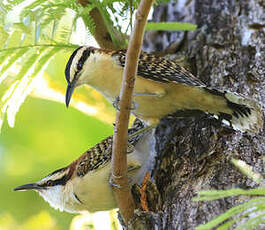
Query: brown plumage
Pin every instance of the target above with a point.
(84, 184)
(162, 87)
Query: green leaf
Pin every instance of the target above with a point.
(231, 212)
(5, 98)
(247, 170)
(218, 194)
(16, 55)
(170, 26)
(252, 222)
(3, 37)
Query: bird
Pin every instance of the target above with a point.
(162, 87)
(84, 184)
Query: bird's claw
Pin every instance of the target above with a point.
(116, 104)
(130, 148)
(112, 184)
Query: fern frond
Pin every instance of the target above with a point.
(5, 98)
(14, 3)
(44, 59)
(35, 60)
(247, 170)
(259, 202)
(41, 33)
(11, 61)
(84, 14)
(30, 70)
(3, 37)
(253, 222)
(218, 194)
(247, 215)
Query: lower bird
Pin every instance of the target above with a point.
(84, 184)
(162, 87)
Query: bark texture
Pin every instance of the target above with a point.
(228, 52)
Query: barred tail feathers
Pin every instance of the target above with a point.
(245, 114)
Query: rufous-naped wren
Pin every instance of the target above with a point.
(84, 184)
(162, 87)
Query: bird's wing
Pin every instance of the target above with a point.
(159, 69)
(95, 157)
(100, 155)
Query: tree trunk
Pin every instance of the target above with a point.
(227, 51)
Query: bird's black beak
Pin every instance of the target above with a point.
(33, 186)
(69, 92)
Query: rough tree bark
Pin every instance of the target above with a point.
(228, 52)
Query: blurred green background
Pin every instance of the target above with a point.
(46, 137)
(36, 41)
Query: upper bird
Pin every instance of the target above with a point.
(162, 87)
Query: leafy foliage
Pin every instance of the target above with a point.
(33, 32)
(27, 45)
(247, 215)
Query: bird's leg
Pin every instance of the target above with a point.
(130, 168)
(130, 148)
(116, 103)
(142, 191)
(111, 181)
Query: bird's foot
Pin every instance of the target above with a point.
(130, 148)
(112, 184)
(116, 104)
(143, 192)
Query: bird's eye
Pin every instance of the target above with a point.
(49, 183)
(79, 66)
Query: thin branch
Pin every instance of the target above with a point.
(102, 34)
(119, 158)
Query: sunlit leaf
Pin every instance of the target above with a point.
(5, 98)
(253, 222)
(16, 54)
(170, 26)
(218, 194)
(247, 170)
(231, 212)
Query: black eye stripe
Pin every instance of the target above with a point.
(82, 60)
(61, 181)
(69, 63)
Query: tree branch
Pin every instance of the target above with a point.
(119, 158)
(102, 34)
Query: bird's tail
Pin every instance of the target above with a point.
(244, 114)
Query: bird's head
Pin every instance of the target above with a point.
(55, 189)
(75, 69)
